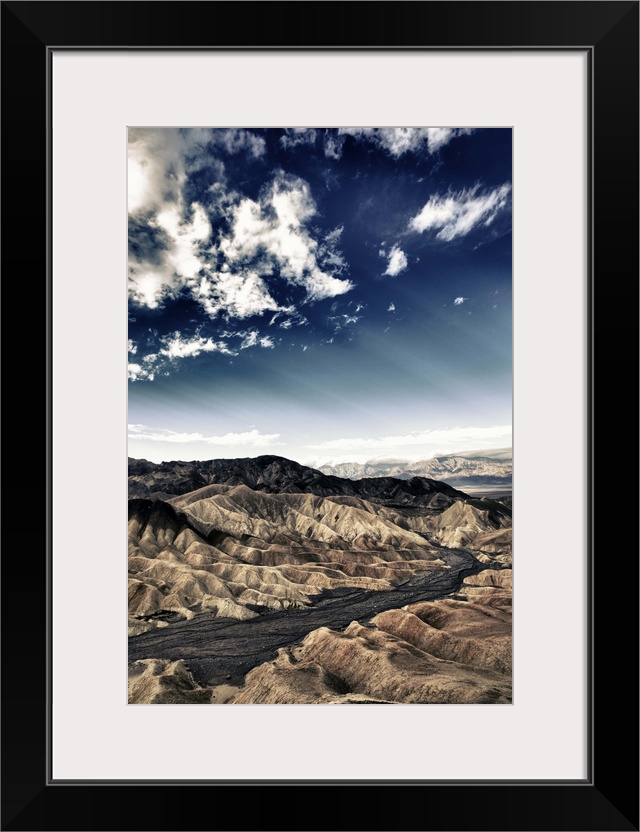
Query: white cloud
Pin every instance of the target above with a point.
(333, 144)
(415, 445)
(160, 159)
(271, 234)
(152, 154)
(172, 348)
(329, 255)
(175, 346)
(253, 339)
(296, 136)
(400, 140)
(235, 141)
(226, 251)
(397, 262)
(179, 262)
(159, 163)
(456, 214)
(459, 301)
(171, 249)
(136, 372)
(252, 438)
(340, 321)
(238, 294)
(132, 347)
(392, 307)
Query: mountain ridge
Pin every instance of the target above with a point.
(453, 469)
(278, 475)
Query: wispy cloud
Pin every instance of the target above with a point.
(457, 213)
(414, 445)
(459, 301)
(392, 307)
(400, 140)
(297, 137)
(343, 320)
(397, 261)
(254, 339)
(173, 348)
(176, 346)
(252, 438)
(333, 144)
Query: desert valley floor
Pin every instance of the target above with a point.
(264, 581)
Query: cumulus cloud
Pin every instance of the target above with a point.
(179, 261)
(136, 371)
(459, 301)
(252, 438)
(168, 232)
(159, 160)
(271, 235)
(397, 261)
(239, 294)
(400, 140)
(228, 266)
(456, 214)
(392, 307)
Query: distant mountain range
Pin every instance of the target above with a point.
(277, 475)
(485, 468)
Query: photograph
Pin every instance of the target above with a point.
(319, 415)
(320, 287)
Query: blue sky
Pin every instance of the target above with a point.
(324, 295)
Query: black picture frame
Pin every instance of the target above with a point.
(608, 798)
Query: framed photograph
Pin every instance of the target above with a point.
(358, 169)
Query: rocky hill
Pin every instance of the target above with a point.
(277, 475)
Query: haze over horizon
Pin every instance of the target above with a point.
(323, 295)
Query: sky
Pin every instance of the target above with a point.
(326, 295)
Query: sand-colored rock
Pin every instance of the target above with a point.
(293, 679)
(491, 588)
(159, 682)
(373, 663)
(457, 631)
(455, 650)
(470, 525)
(227, 549)
(137, 626)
